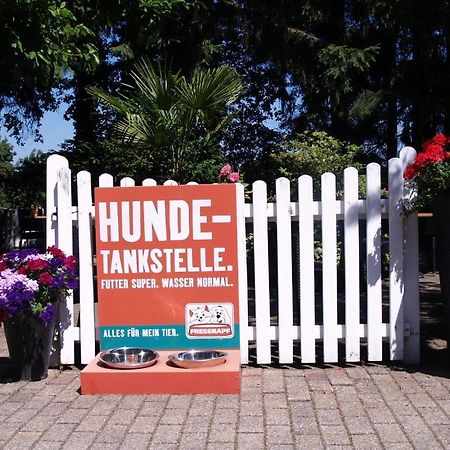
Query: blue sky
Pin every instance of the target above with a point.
(55, 130)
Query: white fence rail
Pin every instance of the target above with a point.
(291, 324)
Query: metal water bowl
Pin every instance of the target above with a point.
(129, 358)
(196, 359)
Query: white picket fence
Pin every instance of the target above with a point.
(402, 330)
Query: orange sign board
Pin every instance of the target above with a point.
(167, 266)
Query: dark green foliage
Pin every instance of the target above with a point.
(6, 169)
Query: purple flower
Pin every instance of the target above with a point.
(48, 313)
(72, 284)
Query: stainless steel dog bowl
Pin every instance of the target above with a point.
(195, 359)
(128, 358)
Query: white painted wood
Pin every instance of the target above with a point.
(352, 263)
(105, 180)
(53, 164)
(373, 255)
(318, 331)
(149, 182)
(306, 244)
(284, 261)
(86, 250)
(127, 182)
(411, 310)
(261, 255)
(64, 240)
(271, 210)
(242, 272)
(170, 183)
(395, 259)
(192, 183)
(329, 261)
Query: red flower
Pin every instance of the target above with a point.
(45, 278)
(70, 262)
(410, 172)
(36, 264)
(22, 270)
(440, 139)
(56, 252)
(3, 266)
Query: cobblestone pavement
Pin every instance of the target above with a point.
(361, 407)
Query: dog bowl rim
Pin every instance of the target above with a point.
(196, 363)
(112, 365)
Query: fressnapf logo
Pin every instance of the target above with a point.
(209, 320)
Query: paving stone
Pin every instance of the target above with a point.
(275, 401)
(84, 401)
(249, 408)
(338, 377)
(222, 433)
(122, 416)
(8, 429)
(221, 446)
(58, 432)
(302, 409)
(92, 423)
(199, 408)
(351, 409)
(146, 424)
(305, 425)
(401, 407)
(177, 401)
(72, 416)
(80, 441)
(320, 385)
(39, 423)
(112, 434)
(105, 445)
(193, 441)
(47, 445)
(174, 416)
(335, 435)
(442, 432)
(225, 416)
(131, 402)
(390, 433)
(250, 441)
(329, 417)
(153, 408)
(195, 424)
(277, 417)
(424, 440)
(251, 424)
(421, 400)
(366, 442)
(434, 415)
(227, 401)
(359, 425)
(167, 434)
(357, 373)
(278, 434)
(136, 441)
(23, 440)
(310, 442)
(324, 400)
(413, 424)
(22, 416)
(381, 415)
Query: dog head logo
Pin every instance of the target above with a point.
(220, 315)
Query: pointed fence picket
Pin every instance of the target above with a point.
(276, 303)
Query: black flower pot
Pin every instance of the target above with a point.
(29, 344)
(441, 221)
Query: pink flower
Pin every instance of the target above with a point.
(45, 278)
(36, 264)
(56, 252)
(70, 262)
(225, 170)
(234, 177)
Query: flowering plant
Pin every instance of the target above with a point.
(31, 282)
(430, 172)
(227, 175)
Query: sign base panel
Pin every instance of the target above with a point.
(163, 378)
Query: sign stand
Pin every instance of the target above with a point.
(167, 271)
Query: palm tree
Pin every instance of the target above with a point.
(176, 122)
